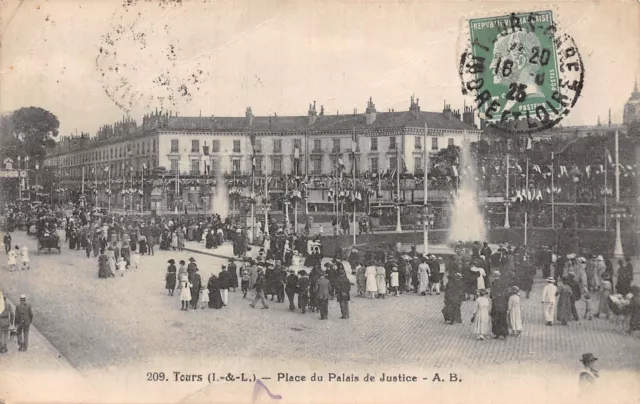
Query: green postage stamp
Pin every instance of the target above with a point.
(524, 74)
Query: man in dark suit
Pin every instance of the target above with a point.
(196, 283)
(291, 288)
(23, 318)
(303, 291)
(322, 295)
(343, 287)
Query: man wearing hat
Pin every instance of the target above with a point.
(291, 287)
(303, 291)
(549, 301)
(24, 316)
(192, 267)
(588, 374)
(6, 320)
(322, 295)
(259, 286)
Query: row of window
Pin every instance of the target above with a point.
(212, 167)
(115, 152)
(297, 145)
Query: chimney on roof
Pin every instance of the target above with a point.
(248, 117)
(609, 116)
(321, 110)
(447, 111)
(312, 114)
(414, 107)
(355, 111)
(371, 112)
(468, 115)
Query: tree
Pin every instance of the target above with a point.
(28, 132)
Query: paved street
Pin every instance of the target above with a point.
(113, 324)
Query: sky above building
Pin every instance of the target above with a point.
(92, 61)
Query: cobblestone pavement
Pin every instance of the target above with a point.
(106, 323)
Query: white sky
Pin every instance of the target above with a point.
(277, 56)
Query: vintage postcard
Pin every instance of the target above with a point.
(305, 201)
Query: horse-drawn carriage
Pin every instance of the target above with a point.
(49, 241)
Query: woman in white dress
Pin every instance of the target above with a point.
(423, 278)
(111, 257)
(481, 315)
(514, 312)
(296, 261)
(372, 283)
(11, 259)
(25, 258)
(174, 241)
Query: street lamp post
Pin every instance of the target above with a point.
(575, 176)
(617, 250)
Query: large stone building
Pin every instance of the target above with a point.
(195, 151)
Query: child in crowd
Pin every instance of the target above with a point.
(122, 266)
(135, 260)
(204, 297)
(587, 305)
(185, 295)
(394, 281)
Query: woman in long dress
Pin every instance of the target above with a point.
(423, 278)
(481, 317)
(174, 241)
(215, 298)
(514, 312)
(381, 278)
(361, 279)
(142, 240)
(111, 256)
(372, 283)
(564, 293)
(603, 303)
(183, 275)
(170, 277)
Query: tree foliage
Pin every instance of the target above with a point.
(28, 132)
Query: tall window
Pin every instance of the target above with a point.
(175, 165)
(195, 146)
(297, 144)
(215, 146)
(374, 164)
(257, 146)
(418, 164)
(154, 146)
(195, 167)
(374, 144)
(174, 146)
(277, 165)
(258, 166)
(236, 146)
(236, 164)
(434, 143)
(450, 141)
(317, 165)
(215, 167)
(277, 146)
(317, 145)
(111, 153)
(418, 142)
(393, 163)
(336, 145)
(392, 143)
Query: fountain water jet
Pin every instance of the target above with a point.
(467, 222)
(220, 202)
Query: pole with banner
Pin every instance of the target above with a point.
(266, 197)
(553, 192)
(109, 185)
(425, 227)
(354, 147)
(82, 204)
(144, 167)
(617, 251)
(398, 224)
(506, 212)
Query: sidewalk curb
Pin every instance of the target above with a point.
(193, 250)
(59, 357)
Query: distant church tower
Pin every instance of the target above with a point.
(632, 107)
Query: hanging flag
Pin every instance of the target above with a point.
(106, 169)
(341, 165)
(144, 166)
(253, 163)
(609, 156)
(354, 142)
(455, 171)
(529, 143)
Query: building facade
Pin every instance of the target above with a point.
(185, 159)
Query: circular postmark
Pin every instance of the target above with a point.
(523, 73)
